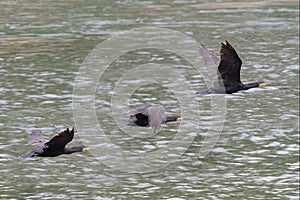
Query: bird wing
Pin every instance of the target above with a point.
(230, 65)
(144, 110)
(60, 140)
(36, 139)
(156, 115)
(211, 61)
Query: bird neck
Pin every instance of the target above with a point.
(171, 118)
(74, 149)
(251, 85)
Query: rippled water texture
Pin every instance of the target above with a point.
(42, 46)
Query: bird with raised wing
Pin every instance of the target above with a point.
(225, 70)
(54, 147)
(149, 115)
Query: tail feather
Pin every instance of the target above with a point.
(204, 92)
(28, 155)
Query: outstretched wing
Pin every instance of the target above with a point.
(59, 141)
(211, 61)
(230, 65)
(36, 139)
(156, 115)
(144, 110)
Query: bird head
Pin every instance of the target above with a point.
(262, 84)
(179, 118)
(85, 149)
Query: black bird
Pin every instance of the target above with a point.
(54, 147)
(227, 72)
(148, 115)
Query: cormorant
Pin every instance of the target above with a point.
(148, 115)
(227, 72)
(54, 147)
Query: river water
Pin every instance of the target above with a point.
(43, 45)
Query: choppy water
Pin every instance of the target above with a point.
(42, 46)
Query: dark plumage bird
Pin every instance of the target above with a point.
(148, 115)
(54, 147)
(227, 72)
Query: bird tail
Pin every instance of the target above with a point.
(204, 92)
(28, 155)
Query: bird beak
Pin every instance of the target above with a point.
(262, 84)
(85, 149)
(179, 118)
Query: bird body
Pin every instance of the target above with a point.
(54, 147)
(227, 71)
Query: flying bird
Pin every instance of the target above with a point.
(54, 147)
(226, 71)
(149, 115)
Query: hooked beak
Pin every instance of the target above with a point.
(85, 149)
(263, 84)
